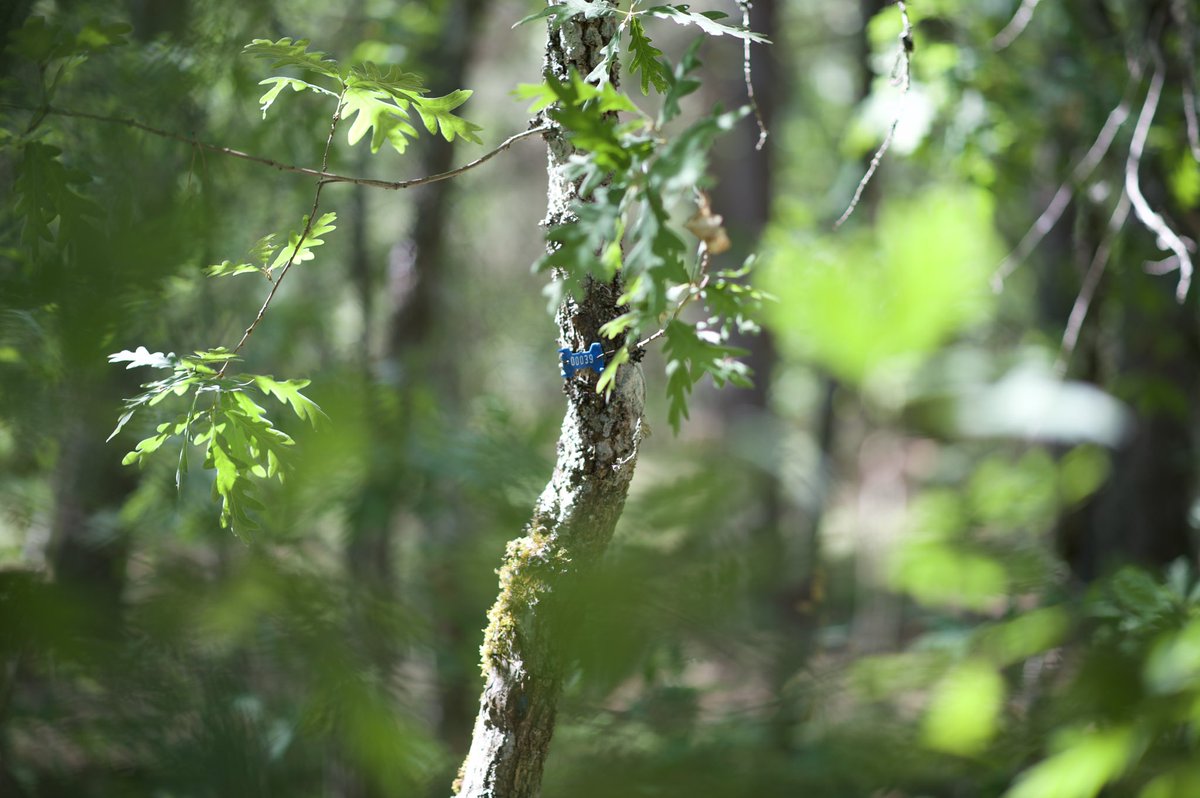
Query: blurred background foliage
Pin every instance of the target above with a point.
(940, 549)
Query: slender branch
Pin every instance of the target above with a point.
(1053, 212)
(312, 215)
(325, 176)
(1016, 26)
(1189, 114)
(901, 72)
(1091, 282)
(420, 181)
(758, 116)
(1167, 239)
(1187, 45)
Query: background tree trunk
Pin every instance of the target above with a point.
(524, 649)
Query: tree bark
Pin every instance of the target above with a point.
(525, 646)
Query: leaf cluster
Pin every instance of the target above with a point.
(54, 50)
(224, 419)
(266, 256)
(239, 440)
(49, 206)
(380, 99)
(1131, 719)
(633, 180)
(41, 42)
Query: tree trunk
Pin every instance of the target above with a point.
(524, 649)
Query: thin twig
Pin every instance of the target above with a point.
(903, 72)
(1167, 239)
(312, 215)
(1187, 45)
(1016, 26)
(327, 177)
(758, 117)
(1189, 114)
(1053, 212)
(1091, 282)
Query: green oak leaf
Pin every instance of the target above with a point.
(645, 60)
(381, 113)
(436, 113)
(288, 53)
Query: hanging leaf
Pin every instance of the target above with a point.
(645, 60)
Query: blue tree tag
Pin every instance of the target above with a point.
(592, 358)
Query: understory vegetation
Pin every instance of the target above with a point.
(889, 304)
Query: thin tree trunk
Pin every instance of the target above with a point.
(525, 645)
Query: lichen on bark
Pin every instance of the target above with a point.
(524, 652)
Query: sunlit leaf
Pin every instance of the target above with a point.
(963, 713)
(143, 357)
(707, 21)
(855, 304)
(938, 573)
(1085, 762)
(383, 115)
(436, 114)
(288, 391)
(1174, 663)
(300, 251)
(1025, 635)
(388, 78)
(279, 84)
(288, 53)
(1181, 782)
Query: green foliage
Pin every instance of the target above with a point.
(970, 547)
(1131, 717)
(51, 208)
(239, 441)
(266, 256)
(236, 669)
(377, 112)
(858, 305)
(645, 58)
(680, 83)
(691, 353)
(436, 114)
(1122, 719)
(707, 21)
(237, 438)
(631, 181)
(379, 98)
(288, 53)
(279, 84)
(299, 246)
(1085, 762)
(964, 711)
(43, 42)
